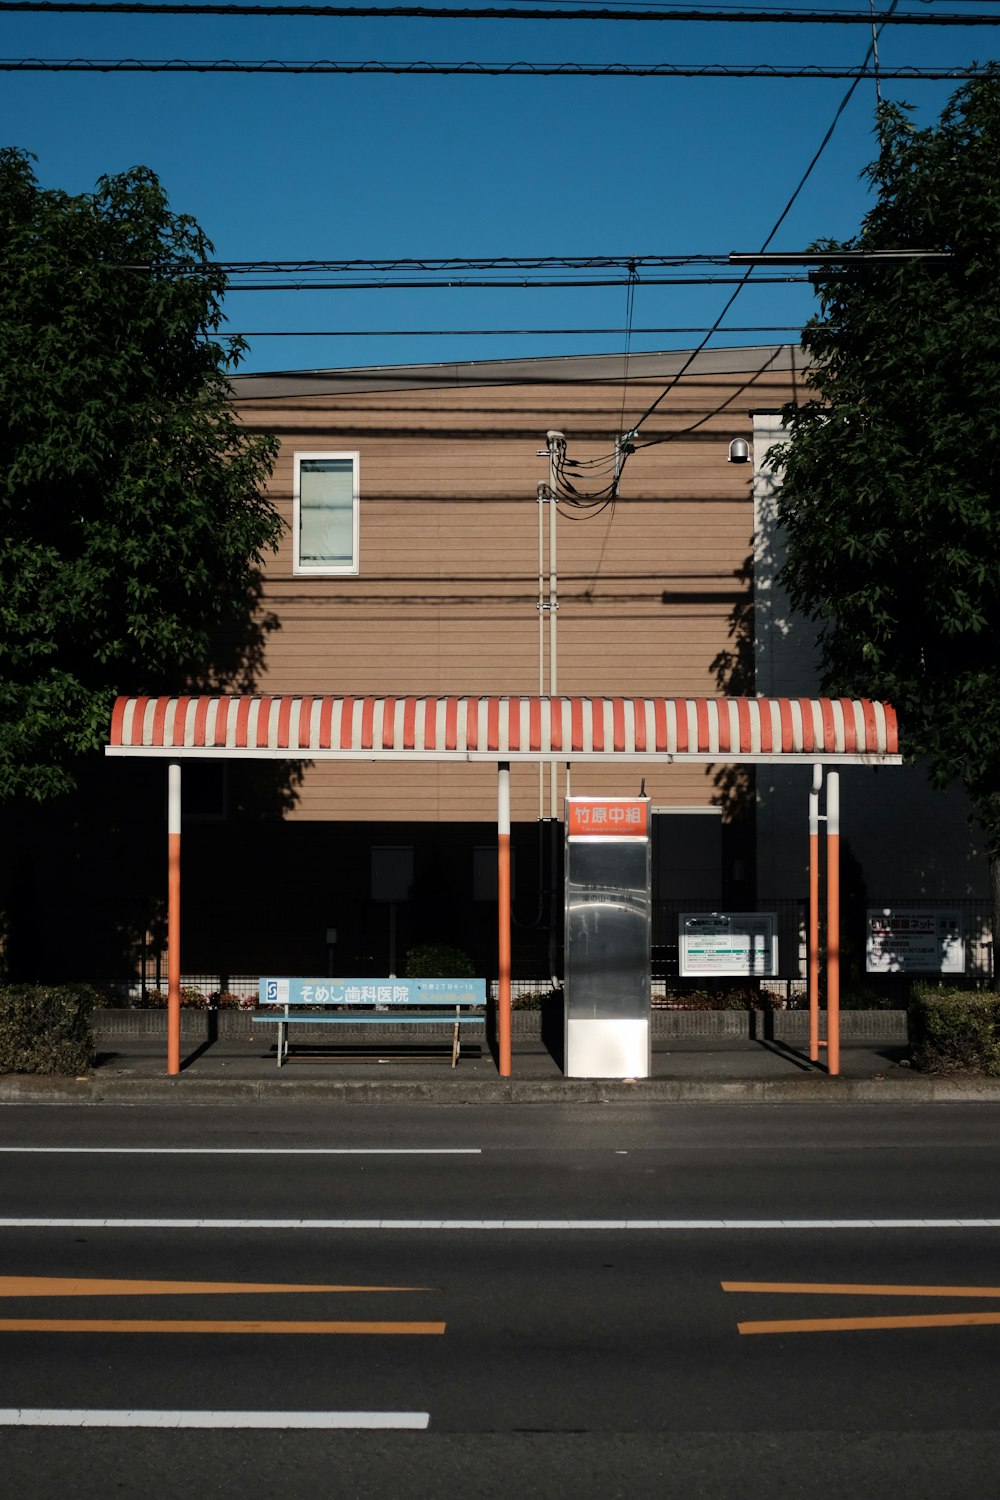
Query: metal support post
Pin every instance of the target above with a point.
(543, 494)
(813, 946)
(174, 918)
(504, 917)
(833, 923)
(557, 449)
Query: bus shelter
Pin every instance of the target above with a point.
(821, 734)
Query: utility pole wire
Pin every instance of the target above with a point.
(878, 81)
(488, 13)
(483, 70)
(461, 283)
(627, 448)
(414, 264)
(552, 263)
(418, 333)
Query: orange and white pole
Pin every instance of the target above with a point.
(813, 940)
(174, 918)
(504, 916)
(833, 923)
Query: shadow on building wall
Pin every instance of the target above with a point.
(734, 785)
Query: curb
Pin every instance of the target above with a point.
(17, 1089)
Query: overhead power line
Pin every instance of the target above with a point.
(455, 283)
(626, 443)
(772, 16)
(411, 264)
(853, 258)
(451, 333)
(462, 266)
(482, 70)
(511, 272)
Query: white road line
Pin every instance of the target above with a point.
(41, 1416)
(240, 1151)
(543, 1226)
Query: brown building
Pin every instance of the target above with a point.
(433, 577)
(436, 587)
(417, 562)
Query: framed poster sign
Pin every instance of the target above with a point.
(741, 944)
(926, 941)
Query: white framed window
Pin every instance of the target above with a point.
(325, 513)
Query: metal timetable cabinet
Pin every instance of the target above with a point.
(608, 919)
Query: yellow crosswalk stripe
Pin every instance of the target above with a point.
(79, 1286)
(858, 1289)
(847, 1325)
(187, 1325)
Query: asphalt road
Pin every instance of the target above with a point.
(696, 1301)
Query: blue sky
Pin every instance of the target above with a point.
(291, 167)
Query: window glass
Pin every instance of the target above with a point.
(326, 499)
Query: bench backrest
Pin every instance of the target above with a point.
(381, 992)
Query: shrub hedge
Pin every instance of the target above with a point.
(723, 997)
(954, 1030)
(194, 999)
(46, 1028)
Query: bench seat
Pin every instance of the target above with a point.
(438, 1002)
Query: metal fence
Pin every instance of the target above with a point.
(147, 980)
(150, 987)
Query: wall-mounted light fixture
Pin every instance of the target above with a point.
(739, 451)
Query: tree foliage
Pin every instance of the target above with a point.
(132, 512)
(889, 496)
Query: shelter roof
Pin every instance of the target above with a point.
(468, 728)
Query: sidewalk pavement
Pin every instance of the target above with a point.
(720, 1070)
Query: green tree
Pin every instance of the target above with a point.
(889, 495)
(132, 512)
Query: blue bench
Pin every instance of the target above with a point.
(369, 1002)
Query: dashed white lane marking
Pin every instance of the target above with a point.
(240, 1151)
(39, 1416)
(543, 1226)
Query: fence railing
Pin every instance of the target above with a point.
(145, 988)
(149, 972)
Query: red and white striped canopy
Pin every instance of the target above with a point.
(507, 729)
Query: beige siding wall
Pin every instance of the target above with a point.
(653, 592)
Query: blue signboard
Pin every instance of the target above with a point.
(371, 991)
